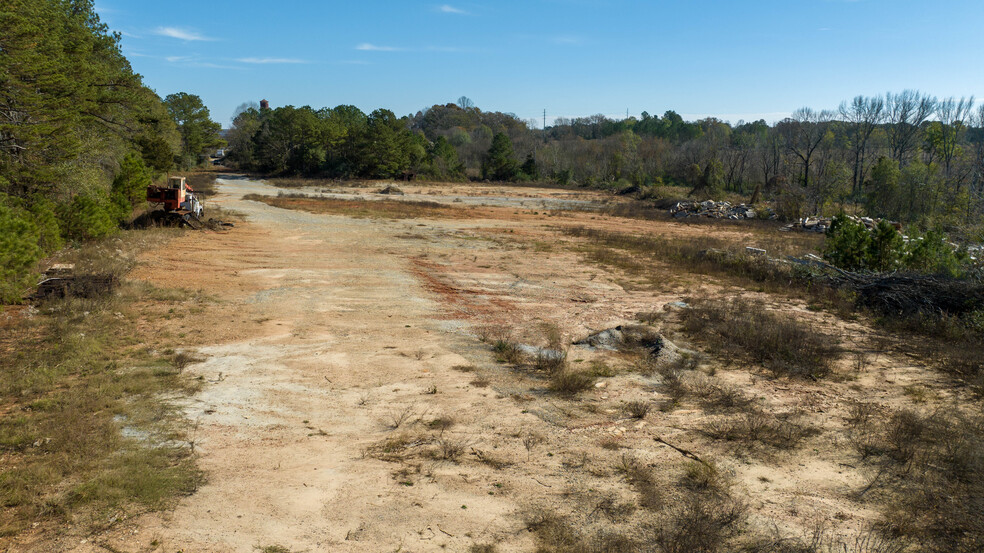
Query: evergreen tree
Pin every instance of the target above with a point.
(500, 162)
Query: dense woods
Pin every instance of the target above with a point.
(80, 134)
(906, 156)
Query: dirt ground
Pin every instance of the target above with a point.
(350, 405)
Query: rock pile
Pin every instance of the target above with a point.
(716, 210)
(821, 224)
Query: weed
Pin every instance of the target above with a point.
(550, 361)
(611, 442)
(490, 460)
(570, 382)
(441, 423)
(483, 548)
(644, 481)
(73, 376)
(637, 409)
(394, 448)
(272, 549)
(861, 361)
(783, 344)
(614, 510)
(480, 382)
(183, 359)
(450, 449)
(700, 523)
(508, 352)
(530, 441)
(403, 417)
(362, 209)
(779, 432)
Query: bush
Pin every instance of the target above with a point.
(20, 249)
(850, 245)
(89, 216)
(569, 382)
(130, 185)
(783, 344)
(932, 254)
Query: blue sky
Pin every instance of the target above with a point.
(735, 59)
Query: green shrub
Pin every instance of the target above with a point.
(848, 244)
(89, 216)
(932, 254)
(130, 184)
(19, 249)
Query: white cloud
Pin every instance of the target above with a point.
(175, 59)
(270, 60)
(367, 47)
(451, 9)
(181, 34)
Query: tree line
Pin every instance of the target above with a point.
(80, 134)
(906, 156)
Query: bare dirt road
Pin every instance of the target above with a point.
(328, 345)
(348, 402)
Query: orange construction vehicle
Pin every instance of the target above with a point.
(178, 201)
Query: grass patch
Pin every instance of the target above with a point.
(363, 209)
(87, 436)
(571, 382)
(928, 475)
(776, 431)
(786, 346)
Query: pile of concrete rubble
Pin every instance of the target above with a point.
(716, 210)
(821, 224)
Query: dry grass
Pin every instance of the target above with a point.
(363, 209)
(785, 345)
(645, 255)
(927, 475)
(759, 427)
(571, 382)
(75, 378)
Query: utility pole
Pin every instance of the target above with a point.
(544, 125)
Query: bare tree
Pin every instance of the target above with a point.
(863, 115)
(802, 134)
(951, 114)
(906, 112)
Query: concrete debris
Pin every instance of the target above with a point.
(631, 336)
(717, 210)
(821, 224)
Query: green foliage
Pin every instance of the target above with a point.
(385, 145)
(88, 216)
(883, 192)
(931, 253)
(886, 248)
(19, 249)
(529, 167)
(850, 245)
(444, 159)
(130, 185)
(199, 134)
(500, 161)
(847, 245)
